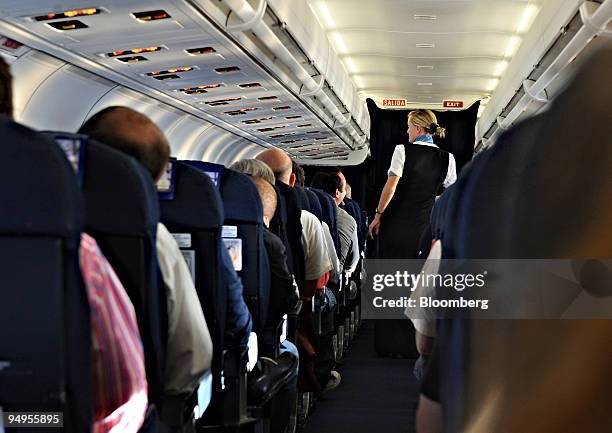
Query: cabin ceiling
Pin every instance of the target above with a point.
(426, 51)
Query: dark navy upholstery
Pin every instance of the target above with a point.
(196, 210)
(121, 213)
(44, 313)
(278, 226)
(243, 209)
(314, 203)
(294, 229)
(330, 215)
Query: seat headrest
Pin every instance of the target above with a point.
(38, 186)
(315, 204)
(196, 203)
(241, 201)
(120, 197)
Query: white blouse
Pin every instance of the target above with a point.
(399, 156)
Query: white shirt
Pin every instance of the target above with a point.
(189, 352)
(315, 251)
(331, 250)
(399, 156)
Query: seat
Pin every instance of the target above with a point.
(46, 365)
(243, 233)
(193, 213)
(121, 213)
(314, 204)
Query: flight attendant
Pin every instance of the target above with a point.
(418, 170)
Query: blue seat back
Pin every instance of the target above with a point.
(194, 214)
(278, 226)
(121, 213)
(243, 229)
(294, 229)
(314, 203)
(44, 310)
(330, 215)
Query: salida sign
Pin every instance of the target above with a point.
(394, 103)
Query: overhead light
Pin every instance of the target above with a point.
(67, 14)
(350, 65)
(529, 14)
(338, 42)
(132, 59)
(151, 15)
(430, 67)
(68, 25)
(500, 68)
(326, 16)
(512, 46)
(170, 71)
(424, 97)
(492, 84)
(200, 51)
(425, 17)
(133, 51)
(425, 45)
(424, 84)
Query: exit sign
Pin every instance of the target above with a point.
(394, 102)
(452, 104)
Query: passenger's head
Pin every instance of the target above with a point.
(280, 163)
(254, 167)
(423, 122)
(300, 176)
(133, 133)
(267, 193)
(332, 182)
(6, 89)
(349, 190)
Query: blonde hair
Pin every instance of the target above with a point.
(426, 119)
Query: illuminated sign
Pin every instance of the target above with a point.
(394, 102)
(452, 104)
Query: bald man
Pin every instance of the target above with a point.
(318, 265)
(189, 346)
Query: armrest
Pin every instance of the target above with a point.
(234, 393)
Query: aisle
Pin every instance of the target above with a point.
(377, 395)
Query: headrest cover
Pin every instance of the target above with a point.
(39, 190)
(166, 183)
(73, 146)
(212, 170)
(196, 202)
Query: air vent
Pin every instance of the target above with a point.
(227, 69)
(268, 98)
(286, 107)
(286, 134)
(170, 71)
(67, 14)
(195, 91)
(425, 45)
(429, 67)
(166, 77)
(293, 117)
(313, 132)
(304, 125)
(132, 59)
(200, 51)
(68, 25)
(133, 51)
(241, 111)
(151, 15)
(249, 85)
(425, 17)
(293, 141)
(223, 101)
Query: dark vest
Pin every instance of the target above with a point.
(408, 213)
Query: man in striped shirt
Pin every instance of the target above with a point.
(119, 380)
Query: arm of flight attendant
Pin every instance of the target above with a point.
(385, 199)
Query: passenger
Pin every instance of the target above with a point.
(334, 183)
(189, 347)
(318, 266)
(117, 358)
(300, 176)
(284, 297)
(255, 168)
